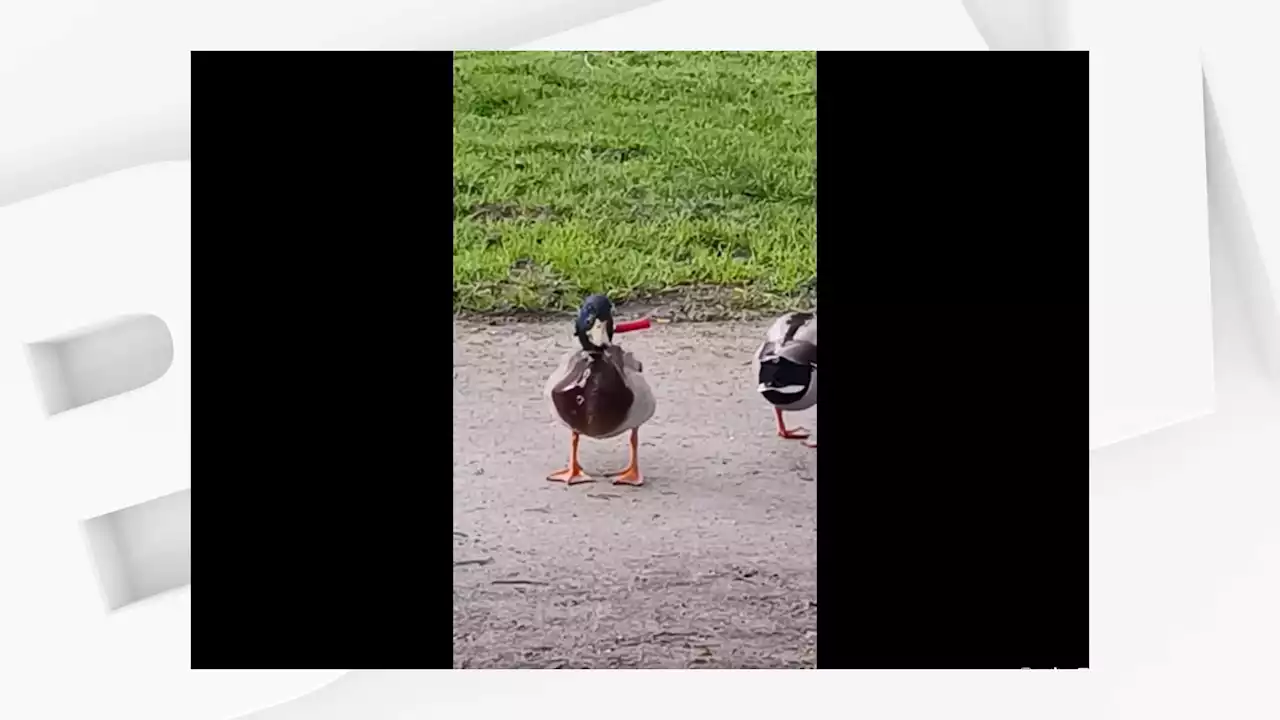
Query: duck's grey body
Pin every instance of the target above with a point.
(786, 363)
(600, 395)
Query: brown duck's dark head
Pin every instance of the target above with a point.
(594, 326)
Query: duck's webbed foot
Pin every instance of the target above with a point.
(570, 476)
(797, 433)
(573, 474)
(630, 475)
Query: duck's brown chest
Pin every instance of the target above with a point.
(596, 402)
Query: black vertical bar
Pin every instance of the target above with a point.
(953, 225)
(321, 204)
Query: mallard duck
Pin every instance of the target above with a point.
(787, 369)
(599, 391)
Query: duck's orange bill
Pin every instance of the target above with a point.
(641, 324)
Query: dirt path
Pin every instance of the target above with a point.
(712, 563)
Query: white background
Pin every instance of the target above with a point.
(110, 246)
(1150, 331)
(1185, 551)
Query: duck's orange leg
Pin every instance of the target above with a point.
(792, 434)
(573, 474)
(631, 474)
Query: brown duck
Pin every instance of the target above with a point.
(599, 391)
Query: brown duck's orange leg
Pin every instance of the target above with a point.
(792, 434)
(573, 474)
(631, 474)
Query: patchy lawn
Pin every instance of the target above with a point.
(650, 176)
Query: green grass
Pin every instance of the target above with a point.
(636, 174)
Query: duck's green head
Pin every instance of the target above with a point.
(594, 326)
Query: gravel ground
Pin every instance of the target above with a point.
(712, 563)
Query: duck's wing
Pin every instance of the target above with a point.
(763, 352)
(807, 332)
(777, 332)
(643, 404)
(800, 353)
(572, 369)
(773, 337)
(786, 330)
